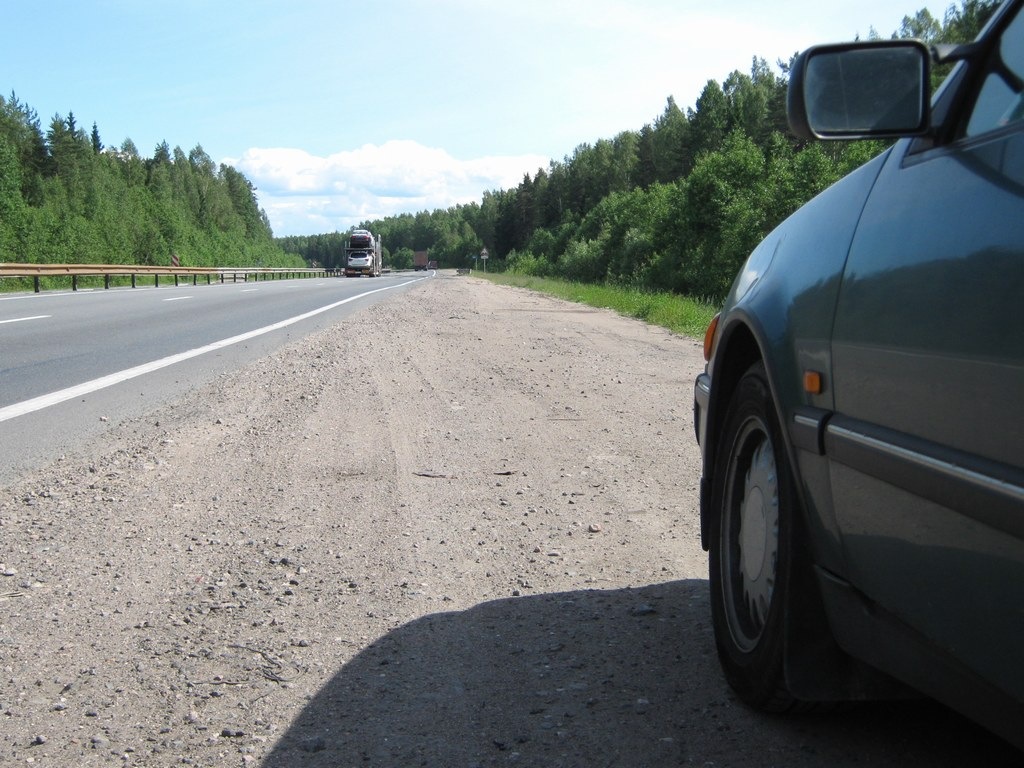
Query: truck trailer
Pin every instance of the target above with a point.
(363, 254)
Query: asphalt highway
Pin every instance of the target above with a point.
(73, 363)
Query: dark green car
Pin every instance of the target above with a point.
(861, 417)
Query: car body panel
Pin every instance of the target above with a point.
(928, 357)
(900, 287)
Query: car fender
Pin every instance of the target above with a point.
(780, 311)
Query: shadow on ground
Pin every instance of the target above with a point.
(590, 678)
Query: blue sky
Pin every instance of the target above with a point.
(340, 111)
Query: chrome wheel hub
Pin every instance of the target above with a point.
(750, 535)
(759, 532)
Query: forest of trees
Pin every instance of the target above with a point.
(675, 206)
(65, 198)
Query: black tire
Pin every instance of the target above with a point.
(752, 550)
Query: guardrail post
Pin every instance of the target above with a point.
(106, 282)
(74, 282)
(156, 281)
(133, 279)
(35, 280)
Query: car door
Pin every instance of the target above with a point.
(926, 446)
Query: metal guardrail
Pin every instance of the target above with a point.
(106, 271)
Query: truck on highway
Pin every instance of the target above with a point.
(419, 260)
(363, 254)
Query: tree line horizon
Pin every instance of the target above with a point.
(675, 206)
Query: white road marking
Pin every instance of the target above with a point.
(88, 387)
(177, 298)
(23, 319)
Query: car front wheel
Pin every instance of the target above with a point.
(751, 552)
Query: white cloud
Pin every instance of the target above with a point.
(306, 194)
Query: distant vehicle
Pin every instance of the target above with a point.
(431, 264)
(361, 238)
(419, 260)
(362, 254)
(861, 416)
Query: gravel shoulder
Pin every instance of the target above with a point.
(459, 530)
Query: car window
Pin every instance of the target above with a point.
(1001, 99)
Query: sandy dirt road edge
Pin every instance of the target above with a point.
(459, 529)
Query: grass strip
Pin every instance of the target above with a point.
(686, 316)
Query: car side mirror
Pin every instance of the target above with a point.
(861, 90)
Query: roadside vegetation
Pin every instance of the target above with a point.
(683, 315)
(671, 209)
(66, 198)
